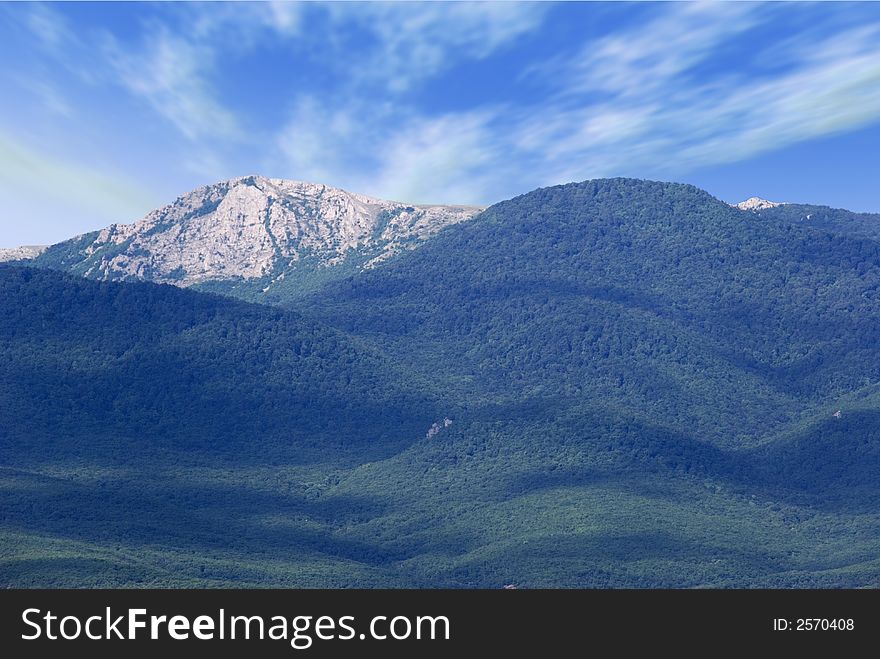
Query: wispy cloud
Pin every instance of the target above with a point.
(627, 104)
(49, 28)
(641, 61)
(376, 49)
(380, 97)
(171, 74)
(656, 116)
(47, 96)
(364, 134)
(392, 152)
(432, 160)
(169, 66)
(415, 41)
(832, 93)
(320, 142)
(239, 26)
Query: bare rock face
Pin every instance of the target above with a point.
(254, 227)
(757, 204)
(23, 253)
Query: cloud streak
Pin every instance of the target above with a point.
(414, 42)
(387, 98)
(659, 117)
(628, 104)
(171, 74)
(631, 103)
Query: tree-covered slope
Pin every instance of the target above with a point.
(155, 436)
(152, 363)
(651, 297)
(626, 383)
(649, 383)
(833, 220)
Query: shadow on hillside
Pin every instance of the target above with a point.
(613, 450)
(345, 445)
(617, 560)
(200, 518)
(833, 466)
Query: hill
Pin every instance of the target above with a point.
(649, 297)
(654, 375)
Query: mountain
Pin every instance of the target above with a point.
(23, 253)
(253, 236)
(612, 383)
(756, 204)
(652, 373)
(653, 298)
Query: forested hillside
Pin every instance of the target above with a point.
(654, 298)
(145, 363)
(835, 220)
(610, 383)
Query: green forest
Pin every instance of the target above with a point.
(614, 383)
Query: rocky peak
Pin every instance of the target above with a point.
(254, 227)
(757, 204)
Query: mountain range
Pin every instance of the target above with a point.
(612, 383)
(254, 237)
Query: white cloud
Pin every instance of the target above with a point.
(47, 95)
(629, 103)
(836, 91)
(169, 70)
(415, 41)
(170, 73)
(391, 152)
(284, 17)
(356, 136)
(327, 144)
(636, 62)
(48, 27)
(451, 157)
(661, 97)
(241, 25)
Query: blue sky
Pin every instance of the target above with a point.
(110, 110)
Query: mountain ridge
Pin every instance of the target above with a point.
(252, 228)
(271, 240)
